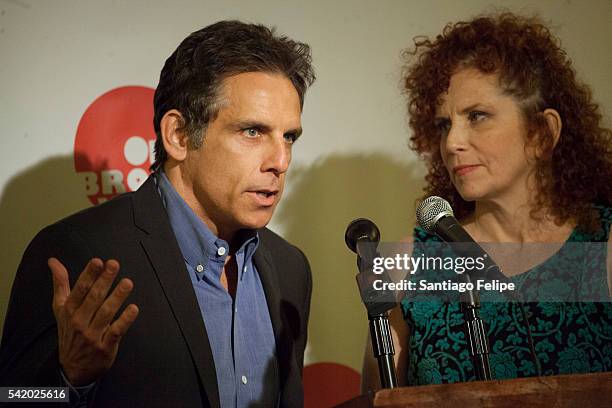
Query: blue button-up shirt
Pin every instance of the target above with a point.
(239, 331)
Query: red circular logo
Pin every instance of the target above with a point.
(113, 147)
(329, 384)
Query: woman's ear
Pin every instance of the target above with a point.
(174, 138)
(553, 120)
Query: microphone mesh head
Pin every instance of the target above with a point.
(430, 211)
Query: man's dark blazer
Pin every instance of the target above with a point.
(165, 358)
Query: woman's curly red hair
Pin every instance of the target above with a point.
(532, 67)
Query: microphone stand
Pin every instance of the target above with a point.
(477, 336)
(378, 304)
(362, 237)
(382, 345)
(436, 216)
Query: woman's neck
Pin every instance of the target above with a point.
(513, 222)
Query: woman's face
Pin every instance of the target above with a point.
(482, 138)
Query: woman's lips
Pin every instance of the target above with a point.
(463, 170)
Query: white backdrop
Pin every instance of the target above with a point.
(58, 56)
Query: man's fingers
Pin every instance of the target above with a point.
(61, 286)
(85, 281)
(97, 292)
(109, 308)
(115, 332)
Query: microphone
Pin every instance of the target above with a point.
(435, 216)
(362, 237)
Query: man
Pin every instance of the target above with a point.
(219, 303)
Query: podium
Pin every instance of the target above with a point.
(575, 390)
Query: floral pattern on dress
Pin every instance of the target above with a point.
(569, 337)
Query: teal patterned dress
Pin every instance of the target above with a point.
(569, 337)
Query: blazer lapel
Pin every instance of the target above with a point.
(166, 258)
(269, 280)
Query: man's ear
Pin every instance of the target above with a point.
(175, 140)
(553, 120)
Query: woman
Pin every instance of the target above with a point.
(514, 142)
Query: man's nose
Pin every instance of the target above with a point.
(278, 156)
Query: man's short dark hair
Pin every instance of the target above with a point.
(191, 79)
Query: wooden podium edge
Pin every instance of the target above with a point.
(582, 390)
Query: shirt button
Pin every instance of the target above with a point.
(199, 268)
(244, 379)
(221, 251)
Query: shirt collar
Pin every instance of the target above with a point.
(197, 243)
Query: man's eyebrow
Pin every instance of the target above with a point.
(297, 132)
(253, 124)
(250, 124)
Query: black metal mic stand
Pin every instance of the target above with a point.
(378, 304)
(382, 345)
(477, 335)
(362, 237)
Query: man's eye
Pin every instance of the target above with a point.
(477, 116)
(291, 137)
(251, 132)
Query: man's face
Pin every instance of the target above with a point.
(236, 178)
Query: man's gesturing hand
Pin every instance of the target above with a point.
(88, 338)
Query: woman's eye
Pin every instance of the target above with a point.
(477, 116)
(442, 127)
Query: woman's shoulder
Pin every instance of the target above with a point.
(605, 220)
(605, 212)
(602, 231)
